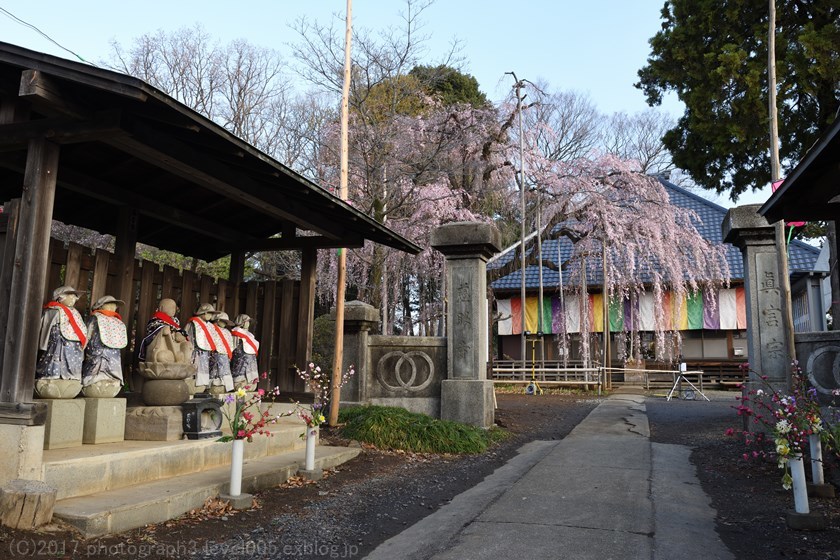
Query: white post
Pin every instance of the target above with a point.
(311, 434)
(816, 459)
(800, 490)
(237, 456)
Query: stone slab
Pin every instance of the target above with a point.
(104, 421)
(805, 521)
(820, 490)
(314, 474)
(154, 423)
(242, 501)
(65, 422)
(469, 401)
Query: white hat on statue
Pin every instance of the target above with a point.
(59, 293)
(107, 299)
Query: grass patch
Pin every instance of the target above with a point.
(389, 427)
(514, 388)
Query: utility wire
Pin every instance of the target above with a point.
(13, 17)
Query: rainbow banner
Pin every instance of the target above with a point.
(725, 309)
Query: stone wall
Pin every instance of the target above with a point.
(406, 371)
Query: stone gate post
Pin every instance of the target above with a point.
(466, 393)
(769, 354)
(360, 320)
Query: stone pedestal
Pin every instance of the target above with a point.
(154, 423)
(22, 450)
(65, 422)
(466, 396)
(469, 401)
(104, 420)
(766, 325)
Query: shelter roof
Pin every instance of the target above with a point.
(803, 257)
(199, 190)
(810, 192)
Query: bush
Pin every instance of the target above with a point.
(323, 342)
(389, 427)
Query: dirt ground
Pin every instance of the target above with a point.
(747, 494)
(375, 496)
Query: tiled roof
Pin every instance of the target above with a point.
(802, 257)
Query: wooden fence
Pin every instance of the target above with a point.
(273, 306)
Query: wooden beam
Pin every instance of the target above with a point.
(294, 243)
(42, 92)
(49, 98)
(60, 130)
(186, 162)
(17, 382)
(113, 194)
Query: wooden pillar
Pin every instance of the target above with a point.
(125, 247)
(306, 309)
(236, 275)
(124, 251)
(8, 229)
(286, 380)
(29, 272)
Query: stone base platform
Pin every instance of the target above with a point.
(469, 401)
(128, 508)
(104, 420)
(154, 423)
(65, 422)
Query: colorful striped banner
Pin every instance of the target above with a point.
(696, 311)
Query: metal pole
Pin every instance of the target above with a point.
(522, 215)
(335, 396)
(606, 310)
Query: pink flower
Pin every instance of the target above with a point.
(261, 392)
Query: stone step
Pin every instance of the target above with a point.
(90, 469)
(115, 511)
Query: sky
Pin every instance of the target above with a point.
(595, 47)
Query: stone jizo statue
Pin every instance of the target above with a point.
(221, 380)
(243, 365)
(63, 337)
(165, 340)
(203, 337)
(102, 374)
(166, 359)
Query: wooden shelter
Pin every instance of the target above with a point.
(108, 152)
(812, 190)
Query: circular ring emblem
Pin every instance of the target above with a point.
(405, 380)
(820, 382)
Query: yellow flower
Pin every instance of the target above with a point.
(241, 392)
(321, 418)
